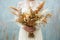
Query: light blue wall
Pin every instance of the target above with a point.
(9, 29)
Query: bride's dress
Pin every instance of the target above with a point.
(23, 35)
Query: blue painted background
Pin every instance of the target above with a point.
(9, 29)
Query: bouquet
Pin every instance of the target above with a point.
(30, 18)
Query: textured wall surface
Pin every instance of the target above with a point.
(9, 29)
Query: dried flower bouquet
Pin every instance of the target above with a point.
(30, 18)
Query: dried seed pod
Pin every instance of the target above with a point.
(39, 7)
(48, 15)
(14, 8)
(16, 11)
(13, 12)
(44, 20)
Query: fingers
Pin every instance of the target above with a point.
(29, 29)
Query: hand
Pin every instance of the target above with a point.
(29, 29)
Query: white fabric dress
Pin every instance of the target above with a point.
(23, 35)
